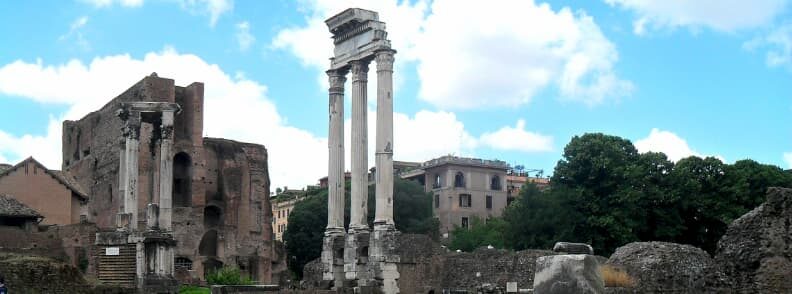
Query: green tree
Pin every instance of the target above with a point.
(481, 233)
(307, 222)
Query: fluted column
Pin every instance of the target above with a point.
(335, 174)
(358, 207)
(166, 172)
(132, 148)
(383, 217)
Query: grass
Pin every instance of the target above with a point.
(614, 277)
(190, 289)
(228, 276)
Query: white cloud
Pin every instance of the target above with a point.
(517, 139)
(86, 87)
(106, 3)
(779, 46)
(243, 36)
(719, 15)
(674, 147)
(788, 159)
(214, 8)
(75, 32)
(473, 54)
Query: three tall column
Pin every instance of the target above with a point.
(383, 217)
(335, 178)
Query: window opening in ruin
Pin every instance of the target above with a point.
(465, 222)
(208, 246)
(464, 200)
(181, 180)
(212, 216)
(489, 201)
(495, 183)
(363, 257)
(437, 200)
(459, 180)
(183, 263)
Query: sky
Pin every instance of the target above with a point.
(512, 80)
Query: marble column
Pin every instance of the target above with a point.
(335, 174)
(358, 206)
(166, 172)
(132, 149)
(383, 216)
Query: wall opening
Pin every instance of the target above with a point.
(213, 216)
(495, 183)
(208, 246)
(181, 180)
(459, 180)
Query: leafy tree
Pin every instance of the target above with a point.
(481, 233)
(307, 222)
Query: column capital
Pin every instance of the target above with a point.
(385, 59)
(337, 79)
(360, 70)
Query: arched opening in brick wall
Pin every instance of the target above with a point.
(182, 179)
(208, 246)
(213, 216)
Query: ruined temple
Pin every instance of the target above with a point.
(219, 210)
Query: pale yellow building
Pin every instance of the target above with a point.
(282, 206)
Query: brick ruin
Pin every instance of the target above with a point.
(220, 211)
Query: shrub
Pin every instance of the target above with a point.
(191, 289)
(614, 277)
(227, 276)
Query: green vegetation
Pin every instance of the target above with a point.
(307, 222)
(480, 234)
(603, 192)
(227, 276)
(190, 289)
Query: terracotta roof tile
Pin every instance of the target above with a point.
(11, 207)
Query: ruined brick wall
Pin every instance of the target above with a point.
(223, 207)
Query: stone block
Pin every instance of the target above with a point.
(573, 248)
(573, 273)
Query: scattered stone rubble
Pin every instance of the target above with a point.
(570, 273)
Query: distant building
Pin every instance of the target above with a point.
(516, 181)
(462, 188)
(53, 193)
(323, 181)
(282, 206)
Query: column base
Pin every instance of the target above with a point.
(356, 259)
(384, 260)
(384, 226)
(333, 259)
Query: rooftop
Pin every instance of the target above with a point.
(10, 207)
(449, 159)
(63, 177)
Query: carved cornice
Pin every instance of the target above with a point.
(337, 79)
(360, 70)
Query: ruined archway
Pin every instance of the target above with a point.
(181, 180)
(208, 246)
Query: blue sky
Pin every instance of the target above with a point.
(507, 79)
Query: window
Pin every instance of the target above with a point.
(436, 183)
(183, 263)
(465, 222)
(459, 180)
(181, 180)
(437, 200)
(464, 200)
(489, 201)
(495, 183)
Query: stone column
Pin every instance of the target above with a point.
(166, 172)
(383, 217)
(132, 149)
(335, 174)
(358, 207)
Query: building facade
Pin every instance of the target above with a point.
(463, 189)
(220, 188)
(282, 206)
(53, 193)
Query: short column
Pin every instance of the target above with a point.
(383, 216)
(359, 190)
(166, 172)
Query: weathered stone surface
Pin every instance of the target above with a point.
(572, 273)
(36, 274)
(756, 249)
(573, 248)
(669, 267)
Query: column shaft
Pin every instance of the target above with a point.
(166, 172)
(383, 217)
(335, 174)
(131, 171)
(358, 207)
